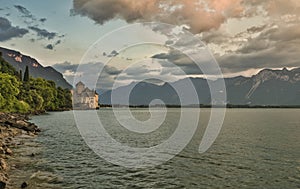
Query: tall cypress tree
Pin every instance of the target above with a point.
(21, 75)
(26, 75)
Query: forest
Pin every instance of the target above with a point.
(21, 93)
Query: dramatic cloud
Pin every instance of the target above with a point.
(111, 70)
(273, 43)
(29, 17)
(7, 31)
(274, 47)
(112, 54)
(33, 24)
(198, 15)
(43, 33)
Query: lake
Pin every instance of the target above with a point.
(256, 148)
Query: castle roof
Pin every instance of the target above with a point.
(80, 83)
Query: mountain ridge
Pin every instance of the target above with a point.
(19, 61)
(268, 87)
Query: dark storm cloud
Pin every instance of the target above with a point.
(58, 42)
(7, 31)
(112, 70)
(43, 19)
(43, 32)
(187, 69)
(52, 46)
(49, 46)
(177, 63)
(172, 55)
(112, 54)
(29, 18)
(24, 11)
(180, 59)
(263, 59)
(274, 48)
(256, 29)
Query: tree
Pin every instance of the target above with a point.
(64, 98)
(2, 101)
(21, 75)
(6, 67)
(9, 89)
(26, 75)
(9, 86)
(46, 89)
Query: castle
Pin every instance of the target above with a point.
(84, 98)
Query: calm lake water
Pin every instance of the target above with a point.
(257, 148)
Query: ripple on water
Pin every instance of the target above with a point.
(255, 149)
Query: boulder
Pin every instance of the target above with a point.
(8, 151)
(2, 151)
(22, 123)
(2, 185)
(3, 164)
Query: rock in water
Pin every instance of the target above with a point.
(2, 151)
(2, 185)
(24, 185)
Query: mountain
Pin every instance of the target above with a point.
(268, 87)
(20, 61)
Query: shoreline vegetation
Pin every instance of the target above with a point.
(12, 125)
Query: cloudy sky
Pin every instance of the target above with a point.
(244, 36)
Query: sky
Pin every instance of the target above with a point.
(134, 40)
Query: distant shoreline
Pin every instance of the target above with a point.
(229, 106)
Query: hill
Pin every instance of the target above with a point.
(20, 61)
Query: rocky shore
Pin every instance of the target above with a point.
(12, 126)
